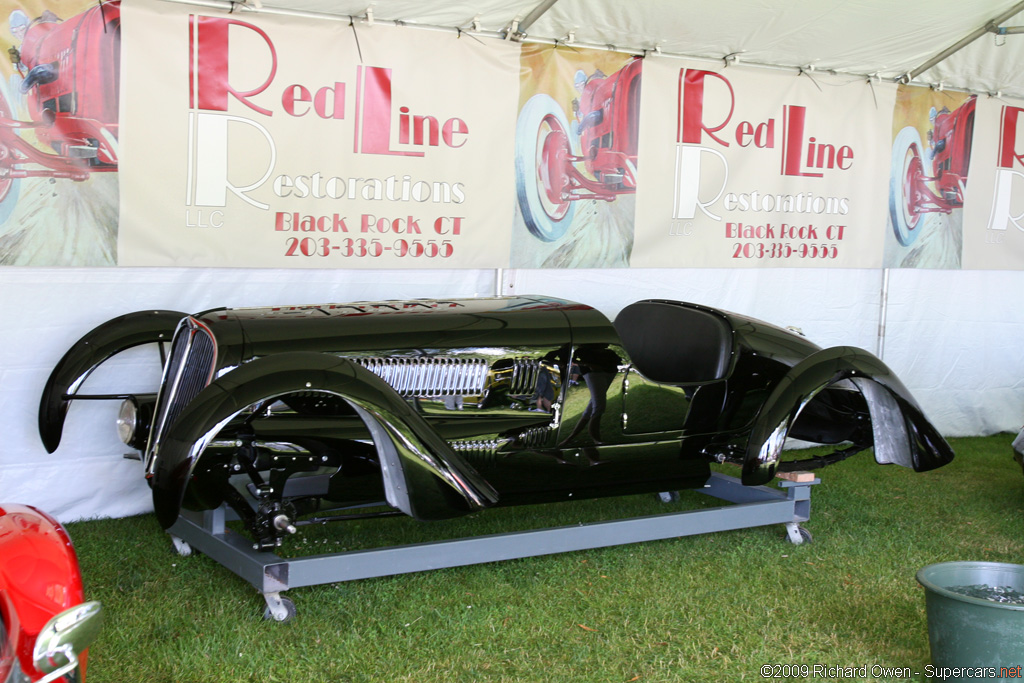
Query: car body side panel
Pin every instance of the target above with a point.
(423, 476)
(785, 346)
(104, 341)
(374, 326)
(902, 435)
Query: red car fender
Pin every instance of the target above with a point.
(39, 577)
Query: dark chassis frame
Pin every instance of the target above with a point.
(270, 574)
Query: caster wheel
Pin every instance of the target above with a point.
(797, 535)
(281, 610)
(669, 496)
(182, 547)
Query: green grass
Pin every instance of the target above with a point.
(704, 608)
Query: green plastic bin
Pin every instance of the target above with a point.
(965, 632)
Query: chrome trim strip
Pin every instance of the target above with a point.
(172, 398)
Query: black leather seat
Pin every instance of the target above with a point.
(673, 343)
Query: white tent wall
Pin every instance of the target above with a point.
(953, 337)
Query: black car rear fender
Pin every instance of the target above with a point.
(423, 477)
(104, 341)
(902, 434)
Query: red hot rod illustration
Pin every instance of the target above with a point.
(69, 77)
(930, 179)
(602, 138)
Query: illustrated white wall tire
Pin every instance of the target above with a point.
(545, 219)
(907, 159)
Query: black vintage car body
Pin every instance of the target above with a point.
(438, 408)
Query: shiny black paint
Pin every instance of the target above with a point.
(293, 413)
(414, 326)
(101, 343)
(428, 495)
(822, 371)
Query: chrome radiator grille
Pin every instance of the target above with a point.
(428, 377)
(188, 370)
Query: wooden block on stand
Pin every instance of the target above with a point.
(800, 477)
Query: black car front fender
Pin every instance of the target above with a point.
(423, 476)
(901, 433)
(104, 341)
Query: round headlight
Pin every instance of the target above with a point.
(127, 420)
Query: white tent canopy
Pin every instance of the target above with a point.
(893, 41)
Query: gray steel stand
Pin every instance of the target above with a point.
(752, 506)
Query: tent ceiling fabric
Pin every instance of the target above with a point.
(862, 37)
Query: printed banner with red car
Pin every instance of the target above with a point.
(253, 139)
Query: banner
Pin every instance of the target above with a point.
(993, 235)
(932, 133)
(287, 142)
(253, 139)
(756, 168)
(576, 158)
(59, 95)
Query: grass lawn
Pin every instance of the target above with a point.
(702, 608)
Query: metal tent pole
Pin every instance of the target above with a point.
(990, 27)
(883, 310)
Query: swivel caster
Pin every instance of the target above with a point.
(279, 609)
(797, 535)
(181, 546)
